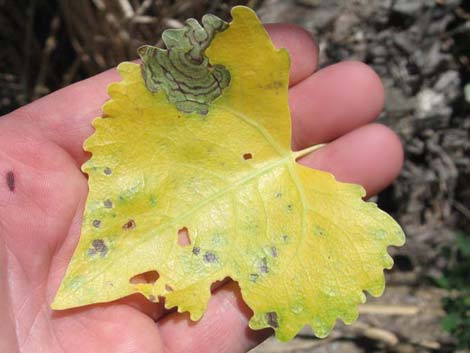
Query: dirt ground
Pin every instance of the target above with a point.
(420, 48)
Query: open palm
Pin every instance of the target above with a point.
(43, 192)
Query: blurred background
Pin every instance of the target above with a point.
(420, 48)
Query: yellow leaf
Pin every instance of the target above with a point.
(302, 246)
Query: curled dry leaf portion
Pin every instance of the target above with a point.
(182, 70)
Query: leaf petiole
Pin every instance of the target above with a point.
(304, 152)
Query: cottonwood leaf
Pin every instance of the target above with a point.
(192, 176)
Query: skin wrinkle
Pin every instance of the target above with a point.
(53, 334)
(8, 293)
(28, 298)
(23, 340)
(30, 330)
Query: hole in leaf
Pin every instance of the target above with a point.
(183, 237)
(271, 319)
(146, 277)
(403, 263)
(217, 284)
(247, 156)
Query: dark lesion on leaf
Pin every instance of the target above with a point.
(196, 250)
(107, 171)
(108, 203)
(273, 251)
(264, 266)
(273, 85)
(210, 257)
(130, 224)
(272, 320)
(98, 247)
(96, 223)
(253, 277)
(319, 231)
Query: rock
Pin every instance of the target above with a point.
(467, 92)
(407, 7)
(404, 42)
(343, 25)
(449, 84)
(397, 103)
(431, 103)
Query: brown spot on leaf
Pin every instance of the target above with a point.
(168, 288)
(96, 223)
(108, 203)
(210, 257)
(247, 156)
(107, 171)
(11, 181)
(271, 319)
(196, 250)
(129, 225)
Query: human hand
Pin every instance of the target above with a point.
(43, 193)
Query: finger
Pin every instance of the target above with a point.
(65, 116)
(334, 101)
(303, 51)
(222, 329)
(371, 156)
(153, 310)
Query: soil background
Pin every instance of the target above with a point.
(420, 48)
